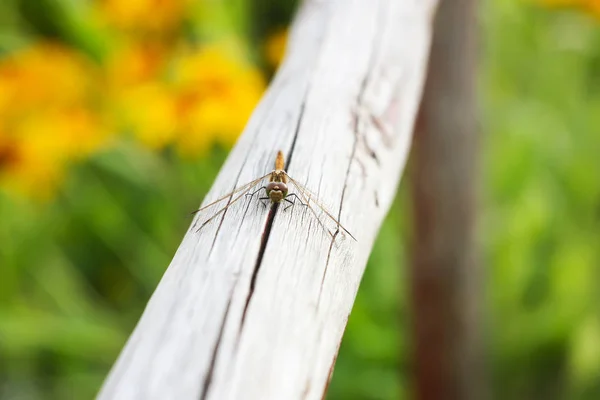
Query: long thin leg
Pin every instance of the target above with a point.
(289, 201)
(263, 200)
(293, 203)
(256, 191)
(296, 198)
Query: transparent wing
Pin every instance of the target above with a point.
(242, 190)
(311, 209)
(231, 194)
(307, 194)
(216, 214)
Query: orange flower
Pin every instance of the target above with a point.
(44, 144)
(44, 74)
(275, 47)
(149, 111)
(143, 15)
(590, 6)
(56, 107)
(217, 93)
(135, 63)
(49, 116)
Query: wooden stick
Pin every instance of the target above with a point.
(255, 304)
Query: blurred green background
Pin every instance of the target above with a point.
(109, 107)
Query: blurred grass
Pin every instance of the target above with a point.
(78, 268)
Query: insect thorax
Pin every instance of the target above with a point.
(276, 191)
(278, 176)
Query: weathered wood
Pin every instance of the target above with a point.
(446, 275)
(254, 306)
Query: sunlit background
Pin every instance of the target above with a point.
(115, 116)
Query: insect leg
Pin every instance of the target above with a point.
(263, 200)
(289, 201)
(256, 191)
(304, 193)
(244, 189)
(296, 198)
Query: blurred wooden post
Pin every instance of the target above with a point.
(446, 276)
(255, 305)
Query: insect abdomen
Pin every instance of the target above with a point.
(279, 163)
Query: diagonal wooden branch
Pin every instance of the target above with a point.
(255, 304)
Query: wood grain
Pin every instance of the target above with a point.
(254, 305)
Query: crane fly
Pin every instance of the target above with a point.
(277, 192)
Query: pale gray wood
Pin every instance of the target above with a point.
(233, 319)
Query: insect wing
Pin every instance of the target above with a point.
(248, 185)
(241, 191)
(308, 196)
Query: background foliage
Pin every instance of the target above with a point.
(109, 107)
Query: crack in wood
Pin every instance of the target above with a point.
(213, 360)
(243, 218)
(273, 212)
(386, 136)
(357, 133)
(237, 180)
(326, 266)
(261, 253)
(269, 224)
(320, 179)
(363, 171)
(361, 108)
(352, 155)
(248, 205)
(370, 150)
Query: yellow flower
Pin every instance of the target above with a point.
(49, 116)
(593, 6)
(56, 107)
(217, 93)
(30, 176)
(198, 128)
(590, 6)
(44, 74)
(135, 63)
(141, 102)
(143, 15)
(44, 144)
(8, 151)
(149, 111)
(275, 47)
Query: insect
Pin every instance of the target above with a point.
(277, 192)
